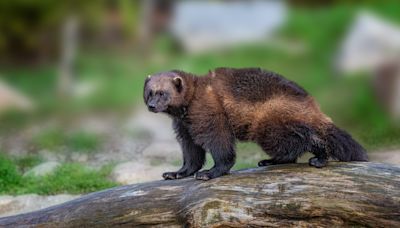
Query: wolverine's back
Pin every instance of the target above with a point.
(254, 99)
(255, 84)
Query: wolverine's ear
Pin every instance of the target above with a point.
(145, 89)
(147, 80)
(178, 83)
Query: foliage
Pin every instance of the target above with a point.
(30, 30)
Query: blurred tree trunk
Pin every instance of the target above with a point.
(387, 87)
(155, 18)
(341, 194)
(69, 42)
(144, 33)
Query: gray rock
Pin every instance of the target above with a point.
(48, 155)
(370, 42)
(79, 157)
(43, 169)
(10, 98)
(208, 25)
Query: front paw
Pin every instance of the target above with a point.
(169, 175)
(203, 175)
(175, 175)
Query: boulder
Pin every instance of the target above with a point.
(43, 169)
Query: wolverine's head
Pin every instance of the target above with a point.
(163, 90)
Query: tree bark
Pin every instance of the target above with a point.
(341, 194)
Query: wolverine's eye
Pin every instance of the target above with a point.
(162, 93)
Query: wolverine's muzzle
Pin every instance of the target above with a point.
(152, 107)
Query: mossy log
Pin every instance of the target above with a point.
(341, 194)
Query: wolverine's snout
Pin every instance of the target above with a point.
(152, 107)
(156, 104)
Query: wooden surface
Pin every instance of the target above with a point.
(341, 194)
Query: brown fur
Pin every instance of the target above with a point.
(213, 98)
(250, 105)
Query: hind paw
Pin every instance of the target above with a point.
(266, 162)
(317, 162)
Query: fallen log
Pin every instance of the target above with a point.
(341, 194)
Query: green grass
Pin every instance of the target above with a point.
(9, 176)
(27, 162)
(68, 178)
(57, 139)
(83, 141)
(49, 139)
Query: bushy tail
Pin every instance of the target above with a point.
(341, 146)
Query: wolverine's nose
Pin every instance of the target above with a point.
(152, 107)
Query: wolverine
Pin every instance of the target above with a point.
(211, 112)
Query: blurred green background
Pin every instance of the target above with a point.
(116, 44)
